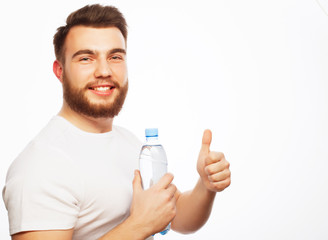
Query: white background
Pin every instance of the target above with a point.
(254, 72)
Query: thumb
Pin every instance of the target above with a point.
(206, 142)
(137, 185)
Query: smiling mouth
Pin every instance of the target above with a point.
(102, 90)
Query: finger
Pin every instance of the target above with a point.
(137, 185)
(217, 167)
(214, 157)
(206, 141)
(165, 181)
(220, 186)
(172, 190)
(220, 176)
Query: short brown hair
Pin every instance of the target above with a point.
(91, 16)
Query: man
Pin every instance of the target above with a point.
(73, 181)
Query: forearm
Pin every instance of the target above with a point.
(193, 209)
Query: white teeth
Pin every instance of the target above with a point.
(102, 89)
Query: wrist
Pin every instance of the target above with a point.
(139, 231)
(204, 189)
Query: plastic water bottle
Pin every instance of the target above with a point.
(152, 162)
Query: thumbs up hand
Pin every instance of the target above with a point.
(212, 167)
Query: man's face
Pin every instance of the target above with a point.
(95, 79)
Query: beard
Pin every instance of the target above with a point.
(77, 100)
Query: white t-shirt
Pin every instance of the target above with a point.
(66, 178)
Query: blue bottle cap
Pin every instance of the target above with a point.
(151, 132)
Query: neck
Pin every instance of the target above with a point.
(86, 123)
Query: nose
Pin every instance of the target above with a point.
(103, 69)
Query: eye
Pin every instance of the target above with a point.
(116, 58)
(83, 59)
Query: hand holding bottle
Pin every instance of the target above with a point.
(153, 209)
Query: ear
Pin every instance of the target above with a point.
(58, 70)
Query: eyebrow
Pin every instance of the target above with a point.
(115, 50)
(88, 51)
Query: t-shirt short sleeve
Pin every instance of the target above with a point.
(43, 190)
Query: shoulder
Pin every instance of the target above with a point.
(38, 168)
(41, 186)
(37, 156)
(41, 156)
(41, 182)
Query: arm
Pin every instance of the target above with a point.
(194, 207)
(41, 235)
(126, 230)
(151, 211)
